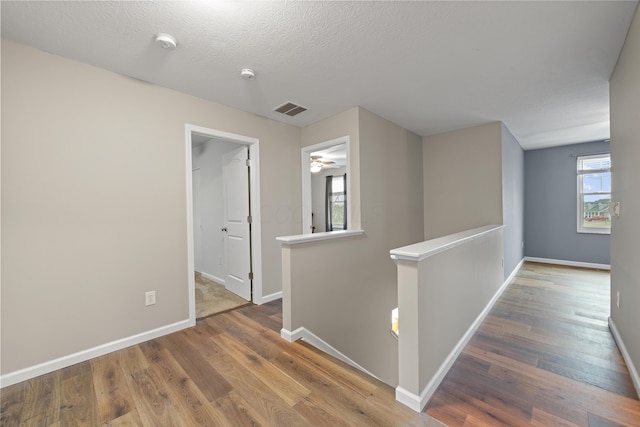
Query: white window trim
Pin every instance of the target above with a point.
(580, 200)
(306, 181)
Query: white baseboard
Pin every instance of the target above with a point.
(625, 355)
(512, 275)
(292, 336)
(268, 298)
(84, 355)
(212, 277)
(568, 263)
(308, 336)
(411, 400)
(417, 403)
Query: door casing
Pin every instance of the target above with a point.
(197, 222)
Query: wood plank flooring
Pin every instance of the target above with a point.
(232, 369)
(543, 357)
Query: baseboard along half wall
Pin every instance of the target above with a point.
(568, 263)
(625, 355)
(308, 336)
(413, 401)
(84, 355)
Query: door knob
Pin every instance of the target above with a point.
(224, 229)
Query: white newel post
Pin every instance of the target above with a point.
(409, 310)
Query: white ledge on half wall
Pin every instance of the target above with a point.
(423, 250)
(315, 237)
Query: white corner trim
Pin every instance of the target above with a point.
(417, 403)
(411, 400)
(625, 355)
(308, 336)
(268, 298)
(291, 336)
(212, 277)
(84, 355)
(568, 263)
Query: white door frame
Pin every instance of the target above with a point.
(306, 181)
(197, 233)
(256, 229)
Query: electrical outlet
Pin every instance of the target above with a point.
(149, 298)
(618, 299)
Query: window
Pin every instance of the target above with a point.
(336, 202)
(594, 194)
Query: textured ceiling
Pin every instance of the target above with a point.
(540, 67)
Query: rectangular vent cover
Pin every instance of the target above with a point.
(290, 109)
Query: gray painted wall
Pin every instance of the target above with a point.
(512, 200)
(550, 219)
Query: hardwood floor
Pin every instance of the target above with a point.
(543, 357)
(232, 369)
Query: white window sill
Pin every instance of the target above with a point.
(316, 237)
(594, 231)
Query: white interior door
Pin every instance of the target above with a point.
(197, 221)
(235, 180)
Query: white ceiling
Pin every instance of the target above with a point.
(540, 67)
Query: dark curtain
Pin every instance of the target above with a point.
(327, 202)
(345, 200)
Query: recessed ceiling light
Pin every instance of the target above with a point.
(165, 41)
(247, 74)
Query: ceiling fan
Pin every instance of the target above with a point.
(317, 164)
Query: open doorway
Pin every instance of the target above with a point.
(224, 259)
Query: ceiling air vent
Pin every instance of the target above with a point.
(290, 109)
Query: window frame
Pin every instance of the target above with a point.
(580, 173)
